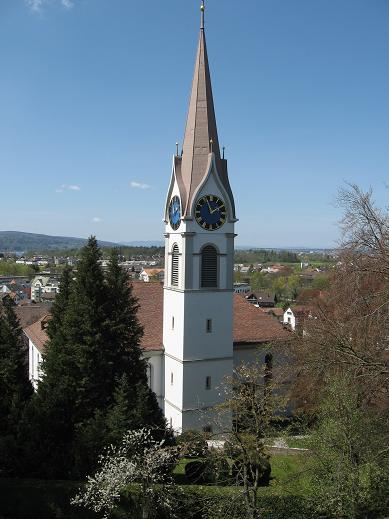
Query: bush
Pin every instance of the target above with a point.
(263, 467)
(192, 444)
(196, 472)
(38, 499)
(218, 471)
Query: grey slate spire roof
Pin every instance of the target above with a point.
(201, 137)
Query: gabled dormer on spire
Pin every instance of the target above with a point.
(201, 142)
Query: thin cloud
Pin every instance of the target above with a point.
(96, 219)
(68, 187)
(139, 185)
(37, 5)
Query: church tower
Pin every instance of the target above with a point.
(199, 257)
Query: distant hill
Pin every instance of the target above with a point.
(14, 241)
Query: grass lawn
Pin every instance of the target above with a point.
(286, 470)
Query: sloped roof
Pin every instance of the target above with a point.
(31, 313)
(200, 130)
(37, 334)
(251, 325)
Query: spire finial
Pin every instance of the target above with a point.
(202, 8)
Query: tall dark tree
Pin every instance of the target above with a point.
(61, 303)
(128, 366)
(94, 385)
(15, 387)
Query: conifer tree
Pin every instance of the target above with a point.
(94, 386)
(61, 302)
(15, 387)
(135, 405)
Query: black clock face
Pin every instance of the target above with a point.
(210, 212)
(175, 213)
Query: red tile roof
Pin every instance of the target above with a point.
(254, 325)
(251, 325)
(150, 313)
(37, 334)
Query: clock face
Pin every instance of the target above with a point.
(210, 212)
(175, 212)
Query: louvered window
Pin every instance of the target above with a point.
(209, 267)
(175, 265)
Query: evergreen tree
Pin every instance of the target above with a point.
(135, 405)
(94, 386)
(61, 303)
(15, 387)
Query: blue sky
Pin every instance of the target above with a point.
(94, 94)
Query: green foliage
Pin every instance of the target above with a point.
(10, 268)
(321, 282)
(15, 387)
(265, 256)
(195, 471)
(37, 499)
(192, 444)
(94, 386)
(349, 466)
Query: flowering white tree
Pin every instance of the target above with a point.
(138, 459)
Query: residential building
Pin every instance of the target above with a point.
(43, 284)
(242, 288)
(148, 275)
(262, 298)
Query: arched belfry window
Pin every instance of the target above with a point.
(175, 264)
(209, 267)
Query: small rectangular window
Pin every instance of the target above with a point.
(172, 323)
(209, 326)
(171, 378)
(208, 383)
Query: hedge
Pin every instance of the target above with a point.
(31, 499)
(39, 499)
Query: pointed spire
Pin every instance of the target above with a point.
(201, 129)
(202, 14)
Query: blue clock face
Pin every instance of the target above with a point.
(210, 212)
(175, 212)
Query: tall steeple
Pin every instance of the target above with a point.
(201, 136)
(199, 264)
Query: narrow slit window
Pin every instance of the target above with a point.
(208, 383)
(209, 326)
(171, 378)
(209, 267)
(175, 265)
(172, 323)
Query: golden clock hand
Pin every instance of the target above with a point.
(209, 207)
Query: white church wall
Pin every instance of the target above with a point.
(34, 361)
(196, 394)
(155, 374)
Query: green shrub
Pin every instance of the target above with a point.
(192, 444)
(263, 467)
(218, 471)
(196, 472)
